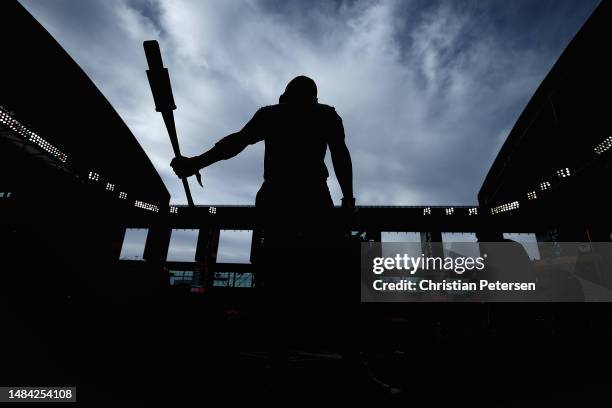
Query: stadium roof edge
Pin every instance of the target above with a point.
(47, 90)
(566, 62)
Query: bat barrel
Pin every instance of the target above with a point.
(159, 80)
(153, 54)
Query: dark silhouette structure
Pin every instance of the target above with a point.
(297, 133)
(294, 206)
(73, 178)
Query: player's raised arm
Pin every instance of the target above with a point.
(224, 149)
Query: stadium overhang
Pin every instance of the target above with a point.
(557, 155)
(49, 101)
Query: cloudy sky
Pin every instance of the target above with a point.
(428, 90)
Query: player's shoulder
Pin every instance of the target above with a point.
(326, 108)
(267, 109)
(329, 112)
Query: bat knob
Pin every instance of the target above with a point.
(199, 178)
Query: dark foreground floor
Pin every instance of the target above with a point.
(181, 353)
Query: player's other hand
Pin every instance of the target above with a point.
(184, 166)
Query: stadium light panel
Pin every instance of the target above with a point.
(212, 210)
(173, 210)
(110, 187)
(449, 211)
(604, 146)
(146, 206)
(505, 207)
(13, 124)
(427, 211)
(563, 173)
(545, 185)
(473, 211)
(532, 195)
(122, 195)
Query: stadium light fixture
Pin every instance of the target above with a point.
(449, 211)
(173, 210)
(532, 195)
(427, 211)
(473, 211)
(604, 146)
(13, 124)
(5, 118)
(110, 187)
(563, 173)
(505, 207)
(122, 195)
(545, 185)
(146, 206)
(93, 176)
(212, 210)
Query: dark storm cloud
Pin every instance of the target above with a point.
(428, 90)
